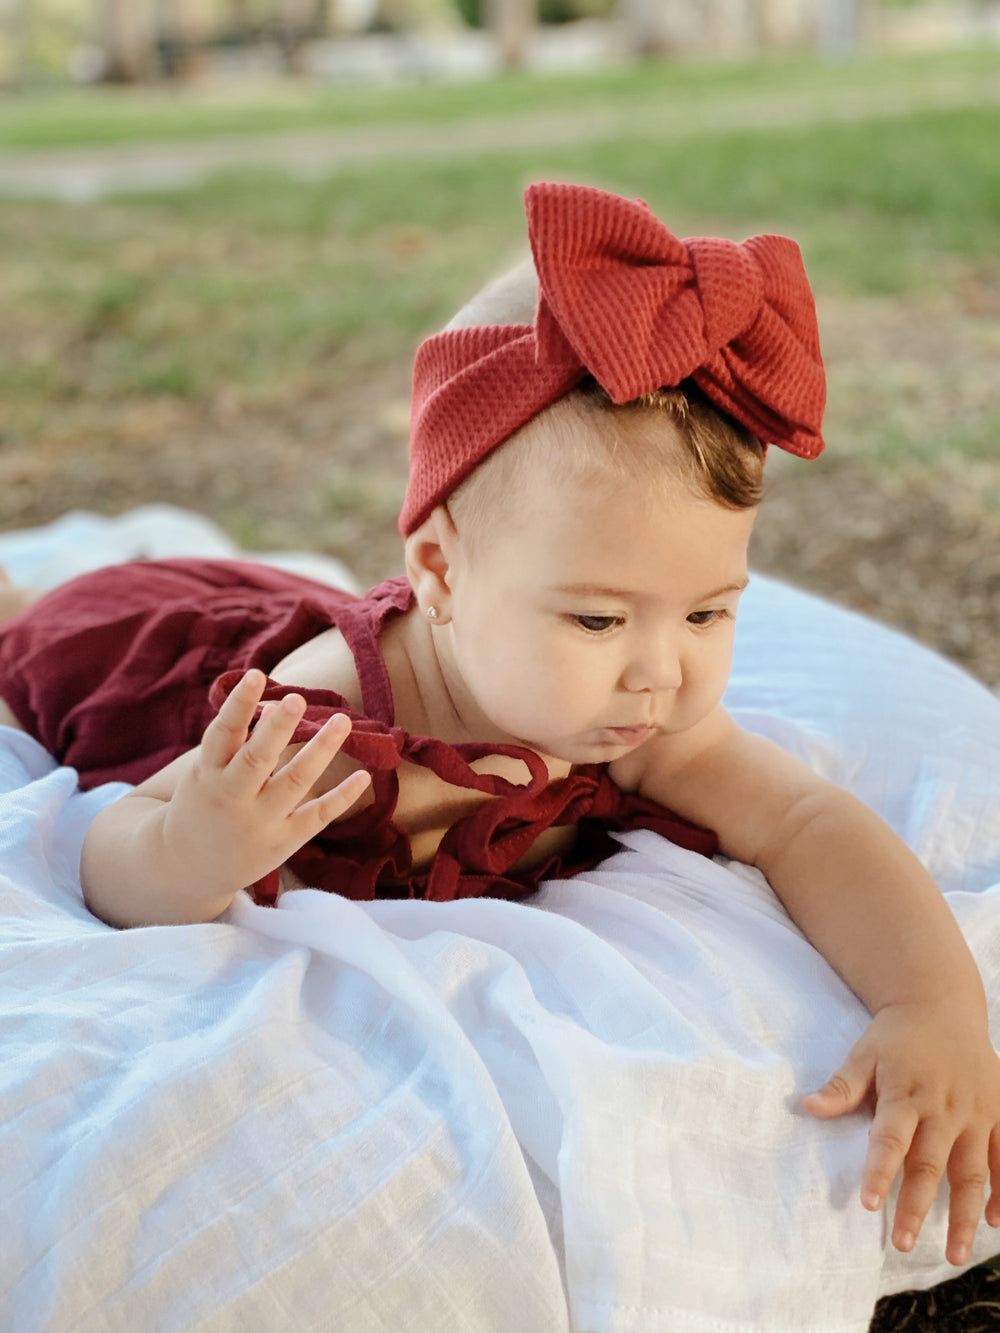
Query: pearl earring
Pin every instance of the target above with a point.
(432, 613)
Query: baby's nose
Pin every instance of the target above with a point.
(656, 669)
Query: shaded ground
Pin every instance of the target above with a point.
(918, 550)
(967, 1304)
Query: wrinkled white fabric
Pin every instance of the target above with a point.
(579, 1113)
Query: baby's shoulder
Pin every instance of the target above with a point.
(322, 663)
(327, 662)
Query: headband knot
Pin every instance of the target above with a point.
(730, 287)
(620, 298)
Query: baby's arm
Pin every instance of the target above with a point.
(869, 906)
(180, 846)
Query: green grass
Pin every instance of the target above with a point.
(76, 117)
(278, 289)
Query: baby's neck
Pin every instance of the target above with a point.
(427, 689)
(421, 701)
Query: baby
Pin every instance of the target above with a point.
(586, 462)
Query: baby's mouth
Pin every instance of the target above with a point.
(632, 735)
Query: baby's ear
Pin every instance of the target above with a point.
(430, 552)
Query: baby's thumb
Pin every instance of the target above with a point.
(843, 1091)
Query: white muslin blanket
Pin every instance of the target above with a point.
(578, 1113)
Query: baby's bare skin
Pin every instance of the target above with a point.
(7, 718)
(427, 806)
(12, 600)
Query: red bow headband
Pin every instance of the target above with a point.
(622, 299)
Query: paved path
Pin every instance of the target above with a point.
(82, 174)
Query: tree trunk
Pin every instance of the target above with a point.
(512, 23)
(767, 21)
(644, 26)
(841, 26)
(19, 28)
(322, 17)
(127, 41)
(294, 25)
(185, 28)
(241, 18)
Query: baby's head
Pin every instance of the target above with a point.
(611, 296)
(585, 467)
(582, 581)
(668, 437)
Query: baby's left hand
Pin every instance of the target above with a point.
(935, 1081)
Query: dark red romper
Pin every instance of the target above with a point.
(119, 671)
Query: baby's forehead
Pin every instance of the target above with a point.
(576, 456)
(551, 487)
(572, 444)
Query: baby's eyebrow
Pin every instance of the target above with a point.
(729, 587)
(599, 590)
(592, 590)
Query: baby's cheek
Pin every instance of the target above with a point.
(535, 701)
(708, 689)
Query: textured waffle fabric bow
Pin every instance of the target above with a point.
(622, 299)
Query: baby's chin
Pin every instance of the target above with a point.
(583, 750)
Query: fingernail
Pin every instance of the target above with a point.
(961, 1253)
(905, 1241)
(871, 1199)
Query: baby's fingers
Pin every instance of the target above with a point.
(844, 1090)
(307, 819)
(993, 1206)
(290, 786)
(889, 1141)
(252, 766)
(334, 803)
(227, 731)
(924, 1166)
(967, 1179)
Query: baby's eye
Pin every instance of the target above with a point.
(706, 617)
(597, 624)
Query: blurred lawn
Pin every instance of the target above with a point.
(664, 92)
(270, 289)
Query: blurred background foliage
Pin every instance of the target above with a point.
(143, 40)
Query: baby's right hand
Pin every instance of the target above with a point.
(235, 815)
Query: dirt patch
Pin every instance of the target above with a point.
(918, 550)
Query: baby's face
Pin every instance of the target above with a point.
(598, 618)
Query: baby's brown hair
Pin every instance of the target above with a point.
(723, 458)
